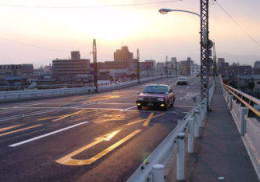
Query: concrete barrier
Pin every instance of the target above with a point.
(16, 96)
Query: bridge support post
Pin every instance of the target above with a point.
(198, 117)
(204, 111)
(200, 111)
(196, 127)
(180, 176)
(191, 138)
(158, 173)
(243, 114)
(230, 102)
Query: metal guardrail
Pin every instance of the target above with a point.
(249, 101)
(153, 168)
(248, 127)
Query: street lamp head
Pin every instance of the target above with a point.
(164, 10)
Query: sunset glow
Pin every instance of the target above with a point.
(66, 26)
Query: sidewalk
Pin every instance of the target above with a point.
(221, 155)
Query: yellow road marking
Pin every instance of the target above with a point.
(158, 115)
(106, 137)
(67, 160)
(135, 122)
(9, 127)
(21, 129)
(67, 115)
(102, 98)
(46, 118)
(148, 120)
(108, 117)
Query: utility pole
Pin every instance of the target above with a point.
(166, 66)
(214, 60)
(95, 73)
(176, 68)
(205, 46)
(138, 66)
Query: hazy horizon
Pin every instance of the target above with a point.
(39, 31)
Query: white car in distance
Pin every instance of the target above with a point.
(182, 81)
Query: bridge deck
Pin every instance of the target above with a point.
(221, 153)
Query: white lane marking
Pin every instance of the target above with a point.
(35, 104)
(129, 108)
(91, 103)
(47, 134)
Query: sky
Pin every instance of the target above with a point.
(38, 31)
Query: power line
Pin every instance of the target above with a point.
(238, 24)
(83, 7)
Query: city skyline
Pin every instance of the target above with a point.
(45, 30)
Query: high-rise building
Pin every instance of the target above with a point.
(257, 64)
(147, 68)
(220, 62)
(123, 55)
(245, 70)
(70, 69)
(257, 67)
(160, 68)
(186, 67)
(222, 66)
(25, 70)
(75, 55)
(172, 66)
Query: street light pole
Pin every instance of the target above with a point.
(176, 69)
(166, 66)
(95, 73)
(214, 60)
(138, 66)
(205, 44)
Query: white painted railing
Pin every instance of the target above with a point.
(153, 169)
(10, 96)
(249, 127)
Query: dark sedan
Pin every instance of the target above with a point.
(156, 95)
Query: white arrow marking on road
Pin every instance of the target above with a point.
(47, 134)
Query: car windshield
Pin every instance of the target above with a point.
(182, 79)
(156, 89)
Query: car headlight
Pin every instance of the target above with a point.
(160, 99)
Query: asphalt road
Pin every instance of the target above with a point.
(101, 137)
